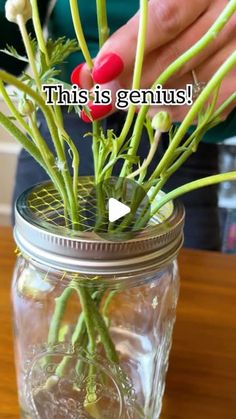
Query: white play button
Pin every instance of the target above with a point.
(119, 202)
(117, 210)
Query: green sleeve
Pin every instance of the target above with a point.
(10, 35)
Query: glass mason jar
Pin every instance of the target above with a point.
(93, 318)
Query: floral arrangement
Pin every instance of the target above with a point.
(107, 147)
(43, 57)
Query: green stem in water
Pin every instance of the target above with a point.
(78, 334)
(88, 316)
(108, 300)
(100, 326)
(60, 307)
(104, 335)
(79, 337)
(79, 32)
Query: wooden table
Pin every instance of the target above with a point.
(201, 382)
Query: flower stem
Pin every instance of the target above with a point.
(30, 54)
(58, 145)
(67, 191)
(88, 316)
(78, 334)
(228, 102)
(23, 140)
(60, 307)
(137, 69)
(34, 152)
(165, 167)
(79, 32)
(101, 328)
(192, 142)
(103, 30)
(38, 30)
(95, 149)
(196, 184)
(213, 84)
(13, 109)
(106, 339)
(49, 160)
(210, 36)
(149, 158)
(75, 165)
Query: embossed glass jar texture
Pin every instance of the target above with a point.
(93, 341)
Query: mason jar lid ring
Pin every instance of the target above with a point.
(86, 252)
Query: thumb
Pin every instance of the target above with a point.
(166, 19)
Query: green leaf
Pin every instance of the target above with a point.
(65, 85)
(34, 44)
(27, 79)
(88, 134)
(60, 49)
(49, 75)
(13, 53)
(130, 158)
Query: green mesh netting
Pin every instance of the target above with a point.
(46, 205)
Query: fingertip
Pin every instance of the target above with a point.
(85, 117)
(81, 76)
(96, 112)
(107, 68)
(75, 75)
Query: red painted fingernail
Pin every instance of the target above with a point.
(107, 68)
(75, 75)
(96, 112)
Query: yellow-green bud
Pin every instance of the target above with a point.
(26, 107)
(14, 8)
(162, 121)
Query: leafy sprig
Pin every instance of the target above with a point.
(12, 52)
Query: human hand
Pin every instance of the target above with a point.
(173, 27)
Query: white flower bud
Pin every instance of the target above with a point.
(162, 121)
(14, 8)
